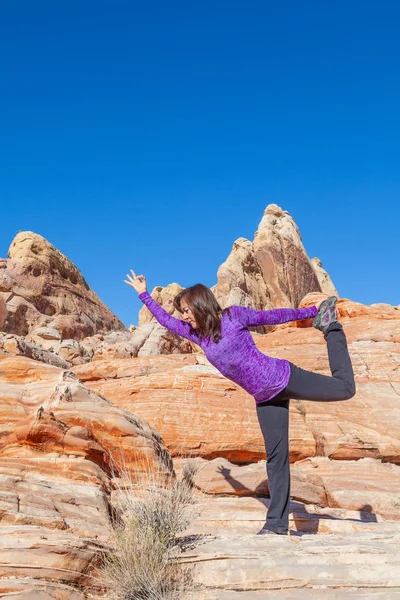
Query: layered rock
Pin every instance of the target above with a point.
(366, 484)
(46, 554)
(29, 588)
(17, 345)
(61, 447)
(46, 408)
(40, 288)
(280, 567)
(272, 271)
(315, 481)
(221, 477)
(231, 515)
(54, 491)
(192, 405)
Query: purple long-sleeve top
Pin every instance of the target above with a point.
(236, 355)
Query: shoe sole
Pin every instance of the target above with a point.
(328, 303)
(268, 531)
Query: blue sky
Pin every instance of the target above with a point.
(151, 135)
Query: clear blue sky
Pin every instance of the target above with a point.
(151, 135)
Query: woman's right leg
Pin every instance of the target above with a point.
(305, 385)
(273, 417)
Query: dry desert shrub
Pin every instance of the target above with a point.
(151, 513)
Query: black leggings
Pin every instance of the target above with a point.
(273, 416)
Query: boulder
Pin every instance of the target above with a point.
(41, 288)
(324, 279)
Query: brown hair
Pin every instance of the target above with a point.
(205, 308)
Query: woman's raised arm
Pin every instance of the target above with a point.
(163, 317)
(250, 317)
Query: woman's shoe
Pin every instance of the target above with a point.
(267, 531)
(327, 314)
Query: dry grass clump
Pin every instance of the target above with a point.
(151, 512)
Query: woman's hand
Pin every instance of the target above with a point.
(138, 283)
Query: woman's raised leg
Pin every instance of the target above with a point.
(305, 385)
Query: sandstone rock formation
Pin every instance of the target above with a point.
(188, 401)
(347, 485)
(240, 279)
(191, 405)
(80, 394)
(61, 446)
(271, 271)
(46, 408)
(324, 279)
(229, 515)
(17, 345)
(279, 251)
(41, 288)
(243, 567)
(220, 477)
(350, 449)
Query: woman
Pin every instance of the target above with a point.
(229, 346)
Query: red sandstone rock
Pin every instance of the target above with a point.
(196, 408)
(324, 279)
(193, 407)
(366, 484)
(46, 409)
(220, 477)
(17, 345)
(61, 446)
(40, 287)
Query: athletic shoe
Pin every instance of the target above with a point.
(267, 531)
(327, 314)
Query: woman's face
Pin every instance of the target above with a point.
(187, 314)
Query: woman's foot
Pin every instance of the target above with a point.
(267, 531)
(327, 314)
